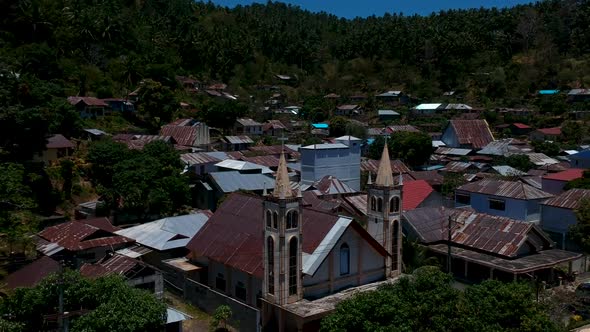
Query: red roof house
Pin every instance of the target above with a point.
(555, 182)
(544, 134)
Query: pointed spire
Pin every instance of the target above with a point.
(401, 179)
(264, 192)
(369, 181)
(282, 186)
(384, 173)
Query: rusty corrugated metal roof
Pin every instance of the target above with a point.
(198, 158)
(501, 188)
(330, 185)
(569, 199)
(59, 142)
(77, 235)
(371, 165)
(472, 132)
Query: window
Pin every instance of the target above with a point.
(497, 204)
(220, 282)
(394, 204)
(394, 244)
(268, 219)
(463, 199)
(344, 259)
(292, 219)
(275, 223)
(373, 204)
(379, 205)
(293, 249)
(270, 250)
(241, 291)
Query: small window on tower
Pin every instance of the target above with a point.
(275, 223)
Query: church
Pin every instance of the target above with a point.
(293, 263)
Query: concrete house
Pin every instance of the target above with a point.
(246, 126)
(285, 266)
(57, 147)
(467, 134)
(558, 214)
(341, 159)
(236, 143)
(485, 246)
(274, 128)
(555, 182)
(392, 97)
(89, 107)
(188, 133)
(512, 199)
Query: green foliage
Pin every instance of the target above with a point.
(156, 103)
(550, 149)
(416, 255)
(338, 126)
(66, 170)
(113, 305)
(220, 318)
(518, 161)
(103, 155)
(452, 181)
(573, 131)
(414, 148)
(426, 301)
(581, 183)
(580, 232)
(222, 114)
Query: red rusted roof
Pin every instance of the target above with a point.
(31, 274)
(432, 177)
(77, 235)
(371, 165)
(59, 142)
(569, 199)
(472, 132)
(234, 234)
(521, 125)
(568, 175)
(501, 188)
(101, 223)
(330, 185)
(117, 264)
(493, 234)
(399, 128)
(555, 131)
(414, 193)
(273, 124)
(268, 161)
(183, 135)
(274, 150)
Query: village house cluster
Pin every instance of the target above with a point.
(282, 233)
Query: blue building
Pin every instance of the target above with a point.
(558, 214)
(341, 160)
(512, 199)
(580, 159)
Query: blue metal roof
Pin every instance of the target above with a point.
(581, 155)
(233, 181)
(320, 125)
(548, 92)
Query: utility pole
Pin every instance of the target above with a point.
(60, 314)
(449, 247)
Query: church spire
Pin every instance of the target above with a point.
(282, 186)
(384, 173)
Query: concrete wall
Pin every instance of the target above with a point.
(244, 317)
(552, 186)
(341, 163)
(363, 258)
(556, 223)
(514, 208)
(232, 277)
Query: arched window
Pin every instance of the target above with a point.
(293, 249)
(379, 205)
(268, 219)
(275, 218)
(373, 204)
(394, 245)
(270, 249)
(344, 259)
(394, 204)
(292, 219)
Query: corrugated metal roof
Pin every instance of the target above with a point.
(501, 188)
(174, 316)
(182, 263)
(428, 106)
(393, 93)
(312, 261)
(240, 165)
(506, 170)
(330, 185)
(198, 158)
(90, 101)
(371, 165)
(76, 235)
(452, 151)
(268, 161)
(458, 166)
(434, 178)
(554, 131)
(187, 136)
(387, 112)
(134, 251)
(59, 142)
(234, 235)
(325, 146)
(167, 233)
(493, 234)
(540, 159)
(117, 264)
(96, 132)
(31, 274)
(534, 181)
(504, 147)
(401, 128)
(347, 107)
(238, 139)
(458, 107)
(472, 132)
(247, 122)
(570, 199)
(568, 175)
(234, 181)
(579, 92)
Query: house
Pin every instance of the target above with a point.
(558, 214)
(32, 274)
(541, 160)
(546, 134)
(246, 126)
(274, 128)
(484, 246)
(332, 96)
(341, 159)
(136, 273)
(580, 159)
(438, 108)
(390, 97)
(512, 199)
(470, 134)
(87, 210)
(330, 187)
(188, 133)
(578, 95)
(555, 182)
(293, 283)
(236, 143)
(290, 151)
(80, 241)
(57, 147)
(190, 84)
(138, 142)
(505, 147)
(119, 105)
(88, 107)
(518, 128)
(93, 134)
(201, 163)
(348, 110)
(464, 167)
(400, 128)
(387, 115)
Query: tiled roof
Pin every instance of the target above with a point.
(493, 234)
(31, 274)
(569, 199)
(371, 165)
(501, 188)
(569, 175)
(472, 132)
(58, 142)
(77, 235)
(414, 193)
(234, 234)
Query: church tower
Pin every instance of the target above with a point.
(384, 206)
(282, 241)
